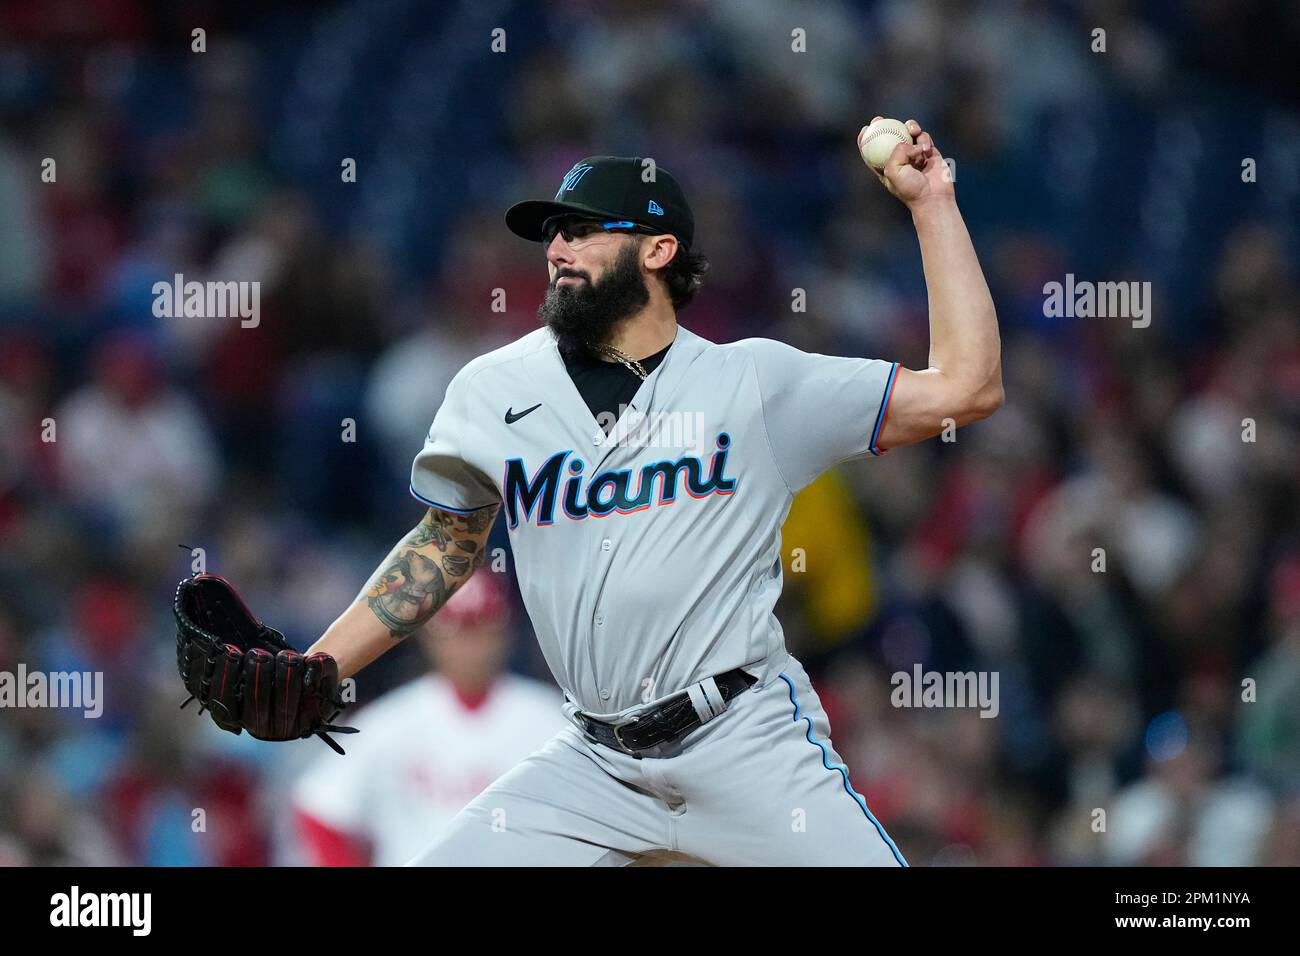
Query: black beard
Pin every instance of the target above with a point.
(587, 313)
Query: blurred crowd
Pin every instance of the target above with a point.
(1119, 544)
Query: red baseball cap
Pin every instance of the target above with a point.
(480, 600)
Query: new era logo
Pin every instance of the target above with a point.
(655, 208)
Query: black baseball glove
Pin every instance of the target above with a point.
(245, 674)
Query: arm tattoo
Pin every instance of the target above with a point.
(456, 565)
(408, 593)
(427, 532)
(477, 522)
(413, 587)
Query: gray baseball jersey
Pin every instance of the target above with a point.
(649, 558)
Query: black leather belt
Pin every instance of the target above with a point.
(671, 720)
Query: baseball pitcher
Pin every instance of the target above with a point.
(644, 474)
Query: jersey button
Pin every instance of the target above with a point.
(604, 693)
(606, 545)
(600, 619)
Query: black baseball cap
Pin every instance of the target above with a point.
(611, 187)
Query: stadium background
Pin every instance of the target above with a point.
(1119, 690)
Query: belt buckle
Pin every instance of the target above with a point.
(618, 728)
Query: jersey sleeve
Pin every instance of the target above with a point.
(440, 475)
(819, 410)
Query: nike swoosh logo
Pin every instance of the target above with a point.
(511, 417)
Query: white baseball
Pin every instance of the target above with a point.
(878, 140)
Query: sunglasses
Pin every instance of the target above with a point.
(577, 230)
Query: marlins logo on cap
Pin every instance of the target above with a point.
(611, 187)
(572, 178)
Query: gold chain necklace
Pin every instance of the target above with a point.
(635, 367)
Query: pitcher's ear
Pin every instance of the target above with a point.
(663, 252)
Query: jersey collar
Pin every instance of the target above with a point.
(660, 385)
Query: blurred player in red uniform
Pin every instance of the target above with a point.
(429, 747)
